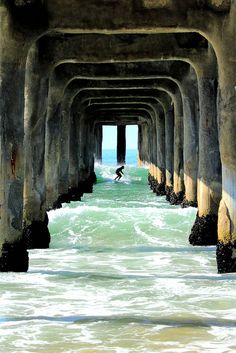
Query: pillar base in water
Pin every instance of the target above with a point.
(204, 231)
(150, 180)
(225, 256)
(187, 203)
(14, 257)
(159, 189)
(63, 198)
(74, 194)
(86, 186)
(36, 235)
(169, 190)
(176, 199)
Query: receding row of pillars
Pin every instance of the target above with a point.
(48, 139)
(120, 146)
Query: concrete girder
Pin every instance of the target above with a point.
(103, 48)
(128, 15)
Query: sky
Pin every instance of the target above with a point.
(110, 136)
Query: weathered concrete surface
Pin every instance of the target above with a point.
(190, 100)
(226, 54)
(127, 31)
(98, 142)
(209, 171)
(35, 233)
(13, 254)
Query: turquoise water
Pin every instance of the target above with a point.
(119, 277)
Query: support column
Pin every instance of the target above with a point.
(73, 151)
(63, 179)
(191, 122)
(52, 143)
(86, 173)
(98, 143)
(143, 143)
(204, 231)
(169, 148)
(13, 253)
(140, 152)
(226, 246)
(121, 144)
(152, 175)
(36, 234)
(68, 168)
(177, 195)
(160, 150)
(68, 165)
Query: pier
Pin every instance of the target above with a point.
(67, 68)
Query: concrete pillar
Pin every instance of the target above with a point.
(190, 98)
(92, 143)
(73, 150)
(160, 150)
(140, 152)
(98, 142)
(65, 144)
(53, 143)
(63, 180)
(83, 170)
(143, 143)
(226, 54)
(169, 149)
(13, 253)
(121, 144)
(152, 175)
(74, 194)
(86, 175)
(204, 231)
(36, 234)
(178, 188)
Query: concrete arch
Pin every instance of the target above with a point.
(129, 17)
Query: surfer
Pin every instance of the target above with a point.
(119, 173)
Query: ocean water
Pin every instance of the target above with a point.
(119, 277)
(109, 157)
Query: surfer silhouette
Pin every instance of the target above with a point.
(119, 173)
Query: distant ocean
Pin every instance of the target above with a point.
(109, 157)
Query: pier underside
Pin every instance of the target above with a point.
(70, 67)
